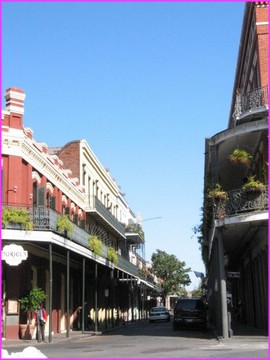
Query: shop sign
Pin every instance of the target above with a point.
(233, 275)
(14, 254)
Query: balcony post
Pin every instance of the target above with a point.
(223, 291)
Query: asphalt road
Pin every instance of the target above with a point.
(152, 340)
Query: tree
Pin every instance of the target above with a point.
(172, 271)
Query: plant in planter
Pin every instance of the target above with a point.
(95, 244)
(28, 304)
(112, 255)
(253, 185)
(17, 216)
(239, 156)
(64, 225)
(217, 193)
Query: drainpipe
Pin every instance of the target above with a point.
(96, 297)
(223, 291)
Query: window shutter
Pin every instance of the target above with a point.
(41, 196)
(82, 224)
(53, 202)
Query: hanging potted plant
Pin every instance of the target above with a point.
(217, 193)
(12, 217)
(28, 304)
(64, 225)
(112, 255)
(95, 245)
(239, 156)
(253, 185)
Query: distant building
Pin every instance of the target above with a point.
(235, 217)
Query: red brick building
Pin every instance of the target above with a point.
(83, 288)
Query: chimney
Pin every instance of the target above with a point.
(15, 106)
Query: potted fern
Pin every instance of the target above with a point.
(239, 156)
(253, 185)
(64, 225)
(12, 217)
(112, 255)
(95, 245)
(217, 193)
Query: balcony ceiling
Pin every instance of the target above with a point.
(94, 215)
(246, 137)
(238, 236)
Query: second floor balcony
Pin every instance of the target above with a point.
(101, 214)
(241, 201)
(134, 234)
(45, 219)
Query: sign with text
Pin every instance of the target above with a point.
(14, 254)
(233, 275)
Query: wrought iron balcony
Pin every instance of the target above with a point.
(101, 214)
(44, 218)
(134, 233)
(250, 104)
(240, 201)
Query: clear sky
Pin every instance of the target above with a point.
(144, 83)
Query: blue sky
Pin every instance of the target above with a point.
(144, 83)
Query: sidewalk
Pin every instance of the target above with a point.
(60, 337)
(244, 335)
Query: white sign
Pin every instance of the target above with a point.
(233, 275)
(14, 254)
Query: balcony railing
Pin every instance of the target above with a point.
(250, 102)
(241, 201)
(44, 218)
(95, 206)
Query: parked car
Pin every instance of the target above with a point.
(159, 313)
(190, 313)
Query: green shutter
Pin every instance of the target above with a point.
(41, 196)
(82, 224)
(53, 202)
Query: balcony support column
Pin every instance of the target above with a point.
(68, 295)
(222, 287)
(83, 294)
(50, 291)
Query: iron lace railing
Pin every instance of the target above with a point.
(250, 102)
(44, 218)
(241, 201)
(95, 205)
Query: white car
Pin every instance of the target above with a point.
(159, 313)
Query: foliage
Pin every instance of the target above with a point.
(64, 224)
(197, 293)
(112, 255)
(172, 271)
(217, 193)
(253, 185)
(19, 216)
(239, 156)
(95, 244)
(30, 301)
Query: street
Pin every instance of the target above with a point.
(155, 340)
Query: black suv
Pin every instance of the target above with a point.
(190, 313)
